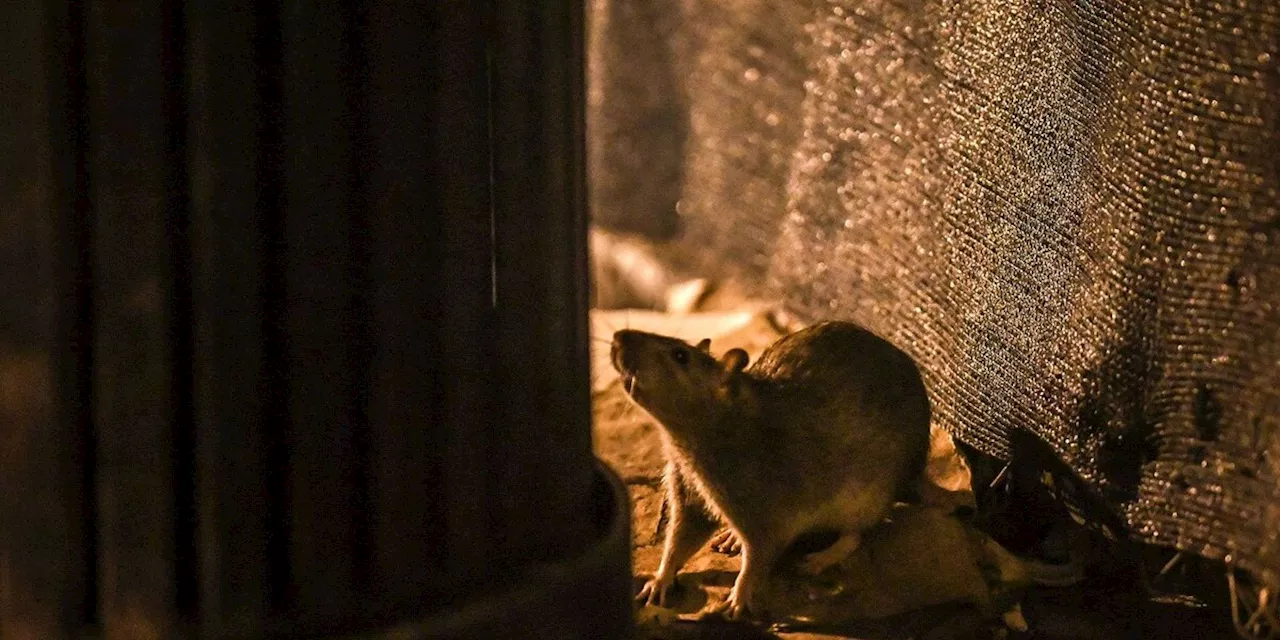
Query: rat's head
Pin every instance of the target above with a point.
(674, 381)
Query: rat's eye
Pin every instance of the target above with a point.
(680, 356)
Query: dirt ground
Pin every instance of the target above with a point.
(627, 439)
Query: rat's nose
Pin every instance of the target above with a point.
(624, 337)
(623, 344)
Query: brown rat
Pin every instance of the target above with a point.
(917, 557)
(824, 432)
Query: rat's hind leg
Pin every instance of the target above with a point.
(946, 500)
(747, 596)
(688, 527)
(819, 561)
(857, 509)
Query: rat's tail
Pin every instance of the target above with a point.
(1015, 570)
(1054, 575)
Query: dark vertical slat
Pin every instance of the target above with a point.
(324, 304)
(69, 137)
(540, 240)
(430, 410)
(404, 406)
(461, 203)
(232, 197)
(269, 191)
(43, 550)
(133, 190)
(177, 253)
(358, 353)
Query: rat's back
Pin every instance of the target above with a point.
(832, 351)
(849, 401)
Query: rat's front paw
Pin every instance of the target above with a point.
(725, 609)
(657, 590)
(735, 607)
(727, 543)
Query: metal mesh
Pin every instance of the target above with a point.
(1068, 212)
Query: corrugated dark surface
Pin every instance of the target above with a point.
(293, 335)
(1067, 211)
(46, 440)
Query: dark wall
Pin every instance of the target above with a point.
(282, 285)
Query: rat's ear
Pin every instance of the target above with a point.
(705, 345)
(734, 361)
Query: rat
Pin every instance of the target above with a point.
(917, 557)
(825, 431)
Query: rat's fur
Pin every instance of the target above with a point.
(823, 432)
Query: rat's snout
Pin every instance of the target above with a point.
(625, 353)
(623, 350)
